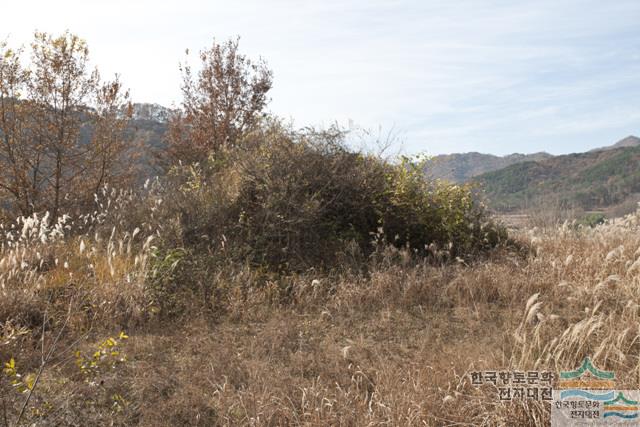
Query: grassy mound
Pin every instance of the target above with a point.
(292, 225)
(294, 200)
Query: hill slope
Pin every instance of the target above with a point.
(461, 167)
(589, 180)
(630, 141)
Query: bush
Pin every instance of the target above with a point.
(423, 214)
(293, 200)
(591, 219)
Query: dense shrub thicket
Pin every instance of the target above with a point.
(292, 200)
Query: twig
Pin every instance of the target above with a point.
(4, 413)
(44, 361)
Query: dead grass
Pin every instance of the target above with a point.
(393, 346)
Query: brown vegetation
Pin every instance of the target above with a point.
(276, 277)
(45, 108)
(221, 104)
(393, 345)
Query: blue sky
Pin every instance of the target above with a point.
(441, 75)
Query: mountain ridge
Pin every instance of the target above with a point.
(597, 179)
(463, 167)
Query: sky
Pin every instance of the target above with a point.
(434, 76)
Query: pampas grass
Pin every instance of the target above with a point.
(392, 344)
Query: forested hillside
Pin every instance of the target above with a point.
(592, 180)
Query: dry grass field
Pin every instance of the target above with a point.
(392, 345)
(215, 265)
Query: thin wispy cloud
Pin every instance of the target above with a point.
(489, 76)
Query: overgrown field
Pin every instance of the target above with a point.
(83, 343)
(270, 275)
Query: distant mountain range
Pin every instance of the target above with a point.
(151, 112)
(147, 128)
(462, 167)
(630, 141)
(601, 179)
(598, 179)
(149, 124)
(592, 180)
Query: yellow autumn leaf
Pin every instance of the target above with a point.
(30, 381)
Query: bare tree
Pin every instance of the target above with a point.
(20, 175)
(112, 155)
(60, 87)
(63, 131)
(221, 103)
